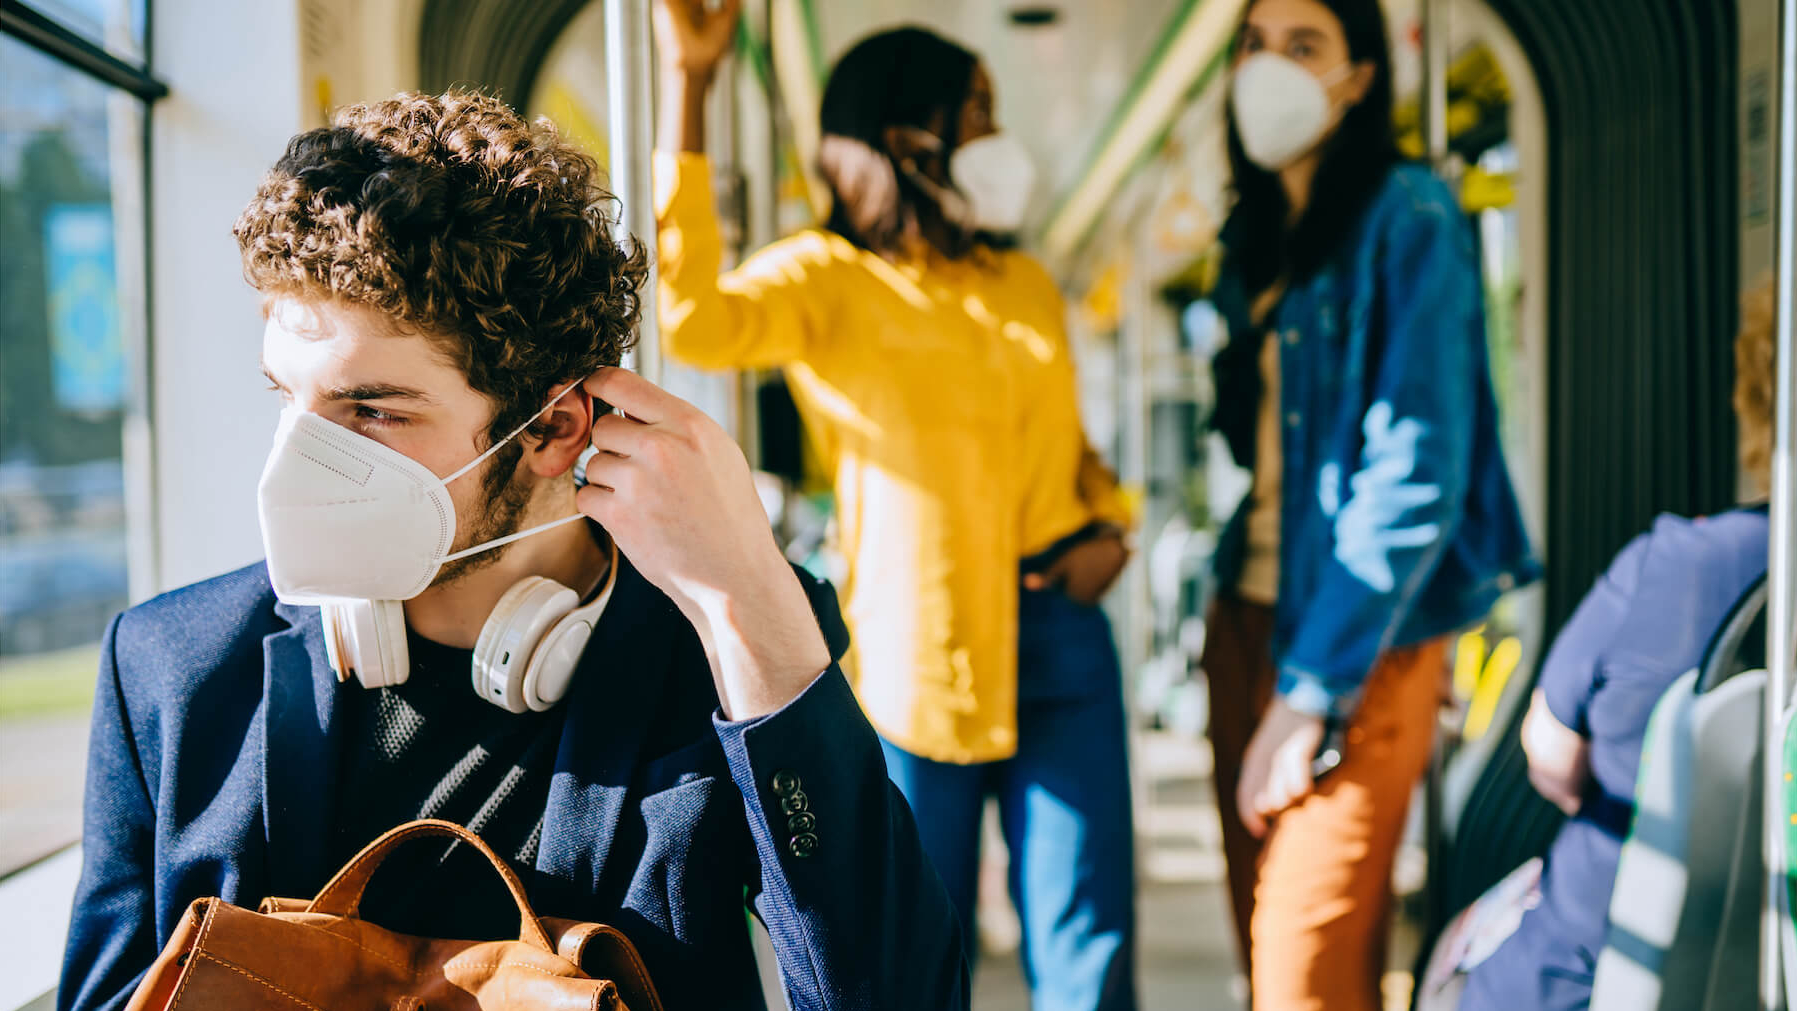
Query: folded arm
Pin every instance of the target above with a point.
(1556, 733)
(1559, 756)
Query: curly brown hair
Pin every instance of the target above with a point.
(1756, 382)
(454, 217)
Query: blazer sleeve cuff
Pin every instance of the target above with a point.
(803, 763)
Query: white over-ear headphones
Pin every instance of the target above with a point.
(525, 656)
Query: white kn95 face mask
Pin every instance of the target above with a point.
(344, 516)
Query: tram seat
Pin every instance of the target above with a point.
(1685, 911)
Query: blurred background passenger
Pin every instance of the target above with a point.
(1381, 517)
(931, 365)
(1645, 623)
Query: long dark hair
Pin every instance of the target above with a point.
(901, 77)
(1353, 164)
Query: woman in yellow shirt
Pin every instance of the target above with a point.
(931, 365)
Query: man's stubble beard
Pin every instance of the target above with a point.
(505, 497)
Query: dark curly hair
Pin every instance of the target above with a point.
(902, 77)
(456, 218)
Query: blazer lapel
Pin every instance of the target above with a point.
(616, 693)
(300, 752)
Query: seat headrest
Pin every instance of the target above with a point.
(1739, 643)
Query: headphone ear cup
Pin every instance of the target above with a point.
(552, 665)
(335, 649)
(512, 634)
(367, 638)
(389, 624)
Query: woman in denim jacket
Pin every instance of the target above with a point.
(1381, 518)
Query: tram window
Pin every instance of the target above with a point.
(71, 256)
(116, 26)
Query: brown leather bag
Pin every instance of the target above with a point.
(320, 955)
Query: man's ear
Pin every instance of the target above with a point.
(567, 432)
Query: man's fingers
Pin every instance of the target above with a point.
(616, 434)
(634, 395)
(608, 472)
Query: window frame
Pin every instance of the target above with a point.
(37, 30)
(53, 873)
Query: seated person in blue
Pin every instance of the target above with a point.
(619, 684)
(1646, 622)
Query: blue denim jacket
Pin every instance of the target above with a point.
(1398, 521)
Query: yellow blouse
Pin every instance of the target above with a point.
(941, 396)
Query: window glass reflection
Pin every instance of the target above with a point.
(71, 247)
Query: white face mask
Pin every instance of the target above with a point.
(993, 176)
(1281, 111)
(344, 516)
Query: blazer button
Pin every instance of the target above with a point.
(796, 803)
(785, 783)
(801, 823)
(802, 845)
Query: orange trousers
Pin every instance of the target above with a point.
(1312, 900)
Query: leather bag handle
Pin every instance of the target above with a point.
(342, 896)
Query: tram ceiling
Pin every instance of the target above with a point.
(498, 45)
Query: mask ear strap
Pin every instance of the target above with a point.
(509, 538)
(514, 434)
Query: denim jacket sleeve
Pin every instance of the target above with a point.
(1399, 507)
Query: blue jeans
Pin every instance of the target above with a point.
(1064, 803)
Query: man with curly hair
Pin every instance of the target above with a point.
(616, 680)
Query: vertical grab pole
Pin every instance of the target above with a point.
(1782, 596)
(762, 225)
(1435, 82)
(630, 88)
(1136, 468)
(1435, 136)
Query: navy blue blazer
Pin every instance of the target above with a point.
(214, 763)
